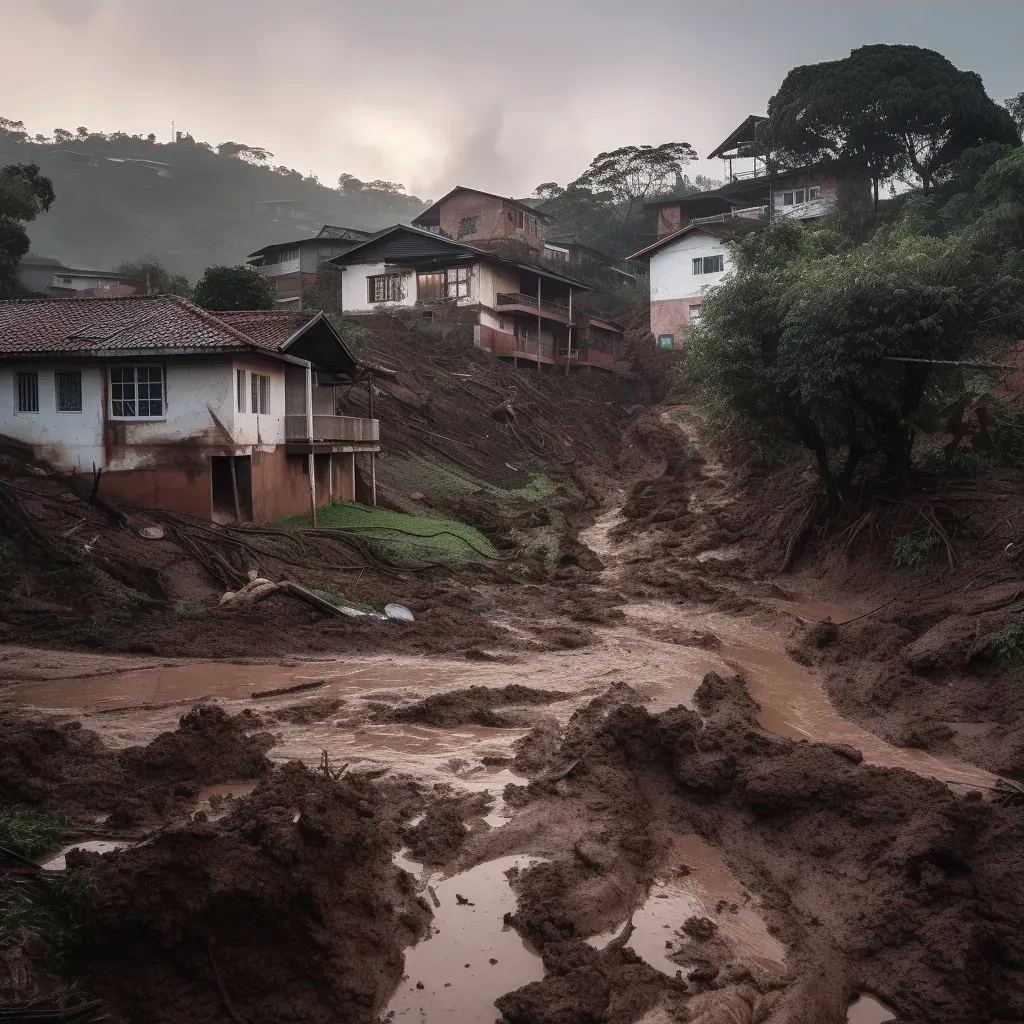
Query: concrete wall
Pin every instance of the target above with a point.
(670, 316)
(672, 275)
(354, 288)
(492, 221)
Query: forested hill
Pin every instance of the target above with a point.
(109, 209)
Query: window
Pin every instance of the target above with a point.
(68, 385)
(812, 193)
(430, 286)
(28, 392)
(456, 284)
(240, 379)
(665, 340)
(694, 314)
(559, 255)
(467, 226)
(708, 264)
(523, 220)
(787, 198)
(798, 196)
(385, 288)
(137, 392)
(260, 394)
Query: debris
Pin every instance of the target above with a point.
(417, 496)
(398, 611)
(314, 684)
(462, 901)
(152, 532)
(433, 896)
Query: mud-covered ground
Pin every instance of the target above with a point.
(717, 791)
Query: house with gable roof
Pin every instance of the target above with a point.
(225, 416)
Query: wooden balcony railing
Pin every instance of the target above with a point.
(332, 428)
(520, 299)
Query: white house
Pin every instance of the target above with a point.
(519, 310)
(217, 415)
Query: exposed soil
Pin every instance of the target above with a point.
(658, 693)
(474, 706)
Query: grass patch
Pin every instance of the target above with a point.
(399, 539)
(339, 599)
(1007, 644)
(912, 550)
(28, 832)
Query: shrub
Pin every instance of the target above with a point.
(912, 550)
(1007, 644)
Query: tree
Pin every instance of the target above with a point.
(62, 135)
(349, 184)
(633, 174)
(24, 194)
(892, 111)
(226, 288)
(14, 130)
(157, 279)
(1015, 106)
(843, 348)
(239, 150)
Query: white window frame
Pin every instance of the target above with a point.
(695, 313)
(56, 393)
(240, 389)
(813, 193)
(700, 265)
(259, 387)
(136, 367)
(787, 198)
(662, 338)
(19, 374)
(455, 280)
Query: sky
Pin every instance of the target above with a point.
(433, 93)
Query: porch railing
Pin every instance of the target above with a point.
(521, 299)
(332, 428)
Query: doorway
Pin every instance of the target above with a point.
(231, 479)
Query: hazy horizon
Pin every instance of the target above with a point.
(456, 94)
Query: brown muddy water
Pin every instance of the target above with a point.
(471, 957)
(866, 1009)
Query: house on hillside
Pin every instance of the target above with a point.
(293, 211)
(483, 219)
(518, 310)
(221, 416)
(568, 253)
(691, 254)
(291, 266)
(49, 276)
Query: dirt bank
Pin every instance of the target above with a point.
(871, 877)
(287, 909)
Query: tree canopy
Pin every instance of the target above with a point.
(226, 288)
(158, 279)
(845, 348)
(24, 194)
(895, 111)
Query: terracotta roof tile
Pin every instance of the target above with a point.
(51, 326)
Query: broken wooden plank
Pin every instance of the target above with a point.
(314, 684)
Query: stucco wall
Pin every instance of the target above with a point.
(354, 288)
(670, 316)
(492, 220)
(672, 275)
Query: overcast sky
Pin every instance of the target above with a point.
(432, 93)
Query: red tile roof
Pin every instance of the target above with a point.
(59, 326)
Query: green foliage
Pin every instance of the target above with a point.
(1007, 644)
(402, 540)
(913, 549)
(1015, 107)
(227, 288)
(893, 110)
(1008, 437)
(156, 278)
(24, 194)
(27, 831)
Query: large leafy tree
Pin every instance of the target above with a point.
(893, 111)
(227, 288)
(157, 278)
(851, 350)
(24, 194)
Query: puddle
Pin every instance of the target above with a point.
(675, 897)
(866, 1009)
(815, 611)
(58, 860)
(221, 679)
(210, 795)
(459, 951)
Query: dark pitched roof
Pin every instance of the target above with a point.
(167, 323)
(319, 238)
(727, 230)
(427, 215)
(743, 133)
(571, 243)
(428, 245)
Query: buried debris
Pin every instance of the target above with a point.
(313, 684)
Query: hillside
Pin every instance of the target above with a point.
(109, 209)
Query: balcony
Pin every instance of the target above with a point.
(277, 269)
(332, 430)
(747, 213)
(530, 304)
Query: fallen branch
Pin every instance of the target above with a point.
(864, 615)
(297, 688)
